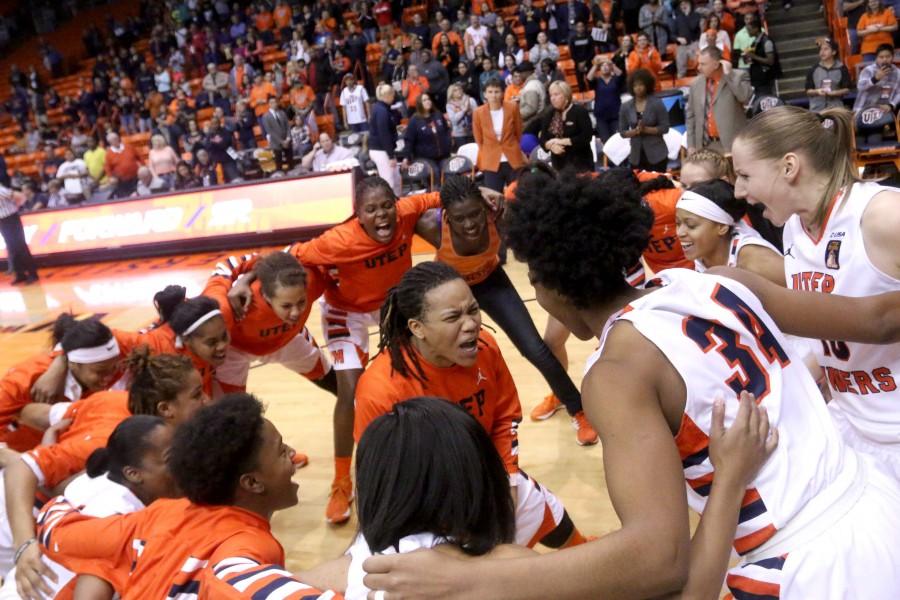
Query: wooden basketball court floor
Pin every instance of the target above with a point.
(121, 292)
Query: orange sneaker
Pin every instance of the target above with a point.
(547, 408)
(338, 509)
(300, 460)
(585, 434)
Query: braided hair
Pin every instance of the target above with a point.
(406, 301)
(370, 185)
(155, 379)
(457, 188)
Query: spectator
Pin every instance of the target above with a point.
(487, 14)
(74, 174)
(382, 14)
(686, 30)
(497, 38)
(220, 145)
(185, 178)
(427, 134)
(605, 15)
(543, 49)
(121, 165)
(497, 128)
(608, 87)
(581, 49)
(324, 153)
(828, 81)
(476, 35)
(14, 237)
(620, 56)
(162, 80)
(468, 80)
(726, 20)
(550, 72)
(488, 72)
(460, 108)
(418, 28)
(278, 133)
(715, 109)
(875, 27)
(418, 47)
(162, 160)
(355, 105)
(260, 93)
(149, 184)
(437, 77)
(412, 87)
(302, 132)
(743, 40)
(644, 120)
(511, 48)
(762, 58)
(240, 76)
(283, 16)
(445, 29)
(566, 131)
(192, 139)
(654, 22)
(446, 53)
(205, 169)
(530, 18)
(215, 81)
(716, 36)
(95, 160)
(644, 56)
(55, 197)
(383, 136)
(853, 10)
(368, 24)
(879, 83)
(566, 15)
(513, 86)
(533, 97)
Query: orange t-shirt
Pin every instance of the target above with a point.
(476, 268)
(648, 59)
(486, 390)
(414, 89)
(476, 6)
(259, 97)
(452, 37)
(362, 270)
(264, 20)
(302, 97)
(664, 250)
(512, 92)
(870, 43)
(282, 16)
(261, 332)
(173, 547)
(15, 393)
(93, 420)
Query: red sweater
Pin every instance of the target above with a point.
(122, 165)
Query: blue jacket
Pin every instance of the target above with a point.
(382, 129)
(427, 137)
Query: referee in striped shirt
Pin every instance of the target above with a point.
(14, 235)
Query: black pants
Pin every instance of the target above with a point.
(16, 246)
(282, 158)
(497, 180)
(499, 299)
(125, 188)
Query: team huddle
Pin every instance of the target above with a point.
(742, 371)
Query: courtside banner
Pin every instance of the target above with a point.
(266, 208)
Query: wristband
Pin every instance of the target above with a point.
(21, 549)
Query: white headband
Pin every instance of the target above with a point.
(195, 326)
(88, 356)
(703, 207)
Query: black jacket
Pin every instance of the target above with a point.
(382, 128)
(578, 128)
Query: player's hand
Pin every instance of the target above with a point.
(31, 575)
(49, 386)
(52, 433)
(415, 576)
(494, 199)
(739, 452)
(240, 297)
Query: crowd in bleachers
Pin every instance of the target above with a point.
(179, 96)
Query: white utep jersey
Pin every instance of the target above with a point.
(743, 235)
(862, 377)
(715, 334)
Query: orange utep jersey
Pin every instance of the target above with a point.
(162, 340)
(486, 390)
(15, 393)
(174, 549)
(261, 331)
(664, 250)
(93, 420)
(361, 269)
(476, 268)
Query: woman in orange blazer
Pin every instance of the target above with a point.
(497, 127)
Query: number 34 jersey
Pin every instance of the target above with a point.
(715, 333)
(862, 377)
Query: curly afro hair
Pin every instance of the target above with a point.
(215, 447)
(577, 234)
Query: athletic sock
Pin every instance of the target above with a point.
(342, 467)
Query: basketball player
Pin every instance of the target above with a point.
(217, 542)
(432, 344)
(705, 164)
(817, 520)
(464, 231)
(840, 237)
(711, 230)
(164, 385)
(126, 475)
(92, 366)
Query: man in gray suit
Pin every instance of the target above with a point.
(715, 110)
(278, 133)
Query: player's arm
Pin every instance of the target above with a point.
(763, 261)
(49, 386)
(419, 203)
(91, 587)
(868, 320)
(373, 397)
(31, 572)
(647, 557)
(428, 227)
(880, 224)
(507, 417)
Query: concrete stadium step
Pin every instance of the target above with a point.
(788, 31)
